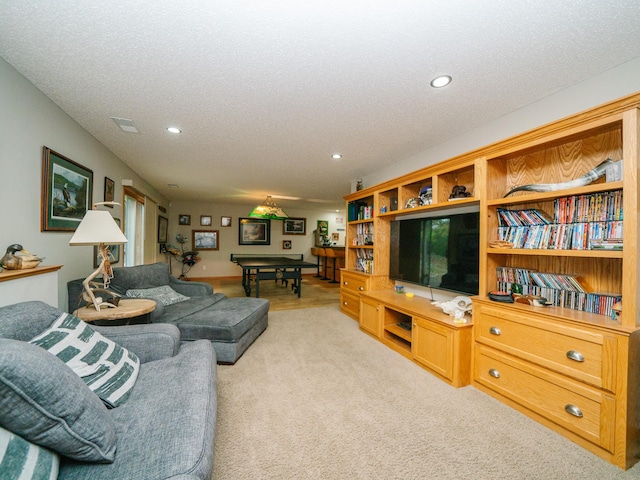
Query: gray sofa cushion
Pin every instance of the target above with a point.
(227, 322)
(174, 313)
(44, 402)
(141, 276)
(164, 294)
(166, 429)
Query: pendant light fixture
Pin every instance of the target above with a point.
(269, 210)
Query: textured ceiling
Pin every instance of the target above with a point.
(266, 91)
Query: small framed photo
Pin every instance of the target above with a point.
(109, 189)
(184, 219)
(163, 227)
(294, 226)
(254, 231)
(205, 240)
(286, 244)
(205, 220)
(225, 221)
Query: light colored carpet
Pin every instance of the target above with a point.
(316, 398)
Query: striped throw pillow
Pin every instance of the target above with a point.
(108, 369)
(22, 460)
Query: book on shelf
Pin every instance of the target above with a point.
(579, 222)
(364, 261)
(561, 290)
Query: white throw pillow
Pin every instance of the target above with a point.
(164, 295)
(23, 460)
(108, 369)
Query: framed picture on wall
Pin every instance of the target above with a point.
(286, 244)
(205, 220)
(67, 192)
(254, 231)
(184, 219)
(163, 226)
(294, 226)
(225, 221)
(205, 240)
(109, 189)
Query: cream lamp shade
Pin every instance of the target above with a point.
(97, 227)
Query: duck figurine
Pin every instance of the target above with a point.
(17, 258)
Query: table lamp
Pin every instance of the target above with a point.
(98, 228)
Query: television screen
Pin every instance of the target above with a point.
(438, 252)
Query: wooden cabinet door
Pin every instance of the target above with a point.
(433, 346)
(370, 319)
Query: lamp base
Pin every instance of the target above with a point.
(90, 286)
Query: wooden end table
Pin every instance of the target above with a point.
(130, 311)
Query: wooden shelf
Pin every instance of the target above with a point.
(7, 275)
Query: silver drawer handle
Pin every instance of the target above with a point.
(345, 283)
(361, 288)
(494, 373)
(345, 303)
(573, 355)
(495, 331)
(573, 410)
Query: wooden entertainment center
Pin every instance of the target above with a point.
(573, 370)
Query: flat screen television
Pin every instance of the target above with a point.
(439, 252)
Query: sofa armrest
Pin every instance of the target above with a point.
(191, 289)
(148, 341)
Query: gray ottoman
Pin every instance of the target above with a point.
(231, 326)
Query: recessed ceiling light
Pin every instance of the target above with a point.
(441, 81)
(336, 156)
(174, 130)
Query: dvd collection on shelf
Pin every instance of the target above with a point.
(580, 222)
(364, 234)
(364, 261)
(567, 291)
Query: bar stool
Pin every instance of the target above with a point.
(319, 253)
(331, 254)
(338, 263)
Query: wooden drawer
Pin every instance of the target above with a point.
(586, 355)
(549, 395)
(354, 282)
(350, 304)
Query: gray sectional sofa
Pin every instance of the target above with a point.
(230, 324)
(164, 430)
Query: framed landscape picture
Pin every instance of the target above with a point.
(205, 240)
(67, 192)
(294, 226)
(254, 231)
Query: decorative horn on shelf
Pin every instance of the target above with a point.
(586, 179)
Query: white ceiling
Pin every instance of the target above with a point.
(266, 90)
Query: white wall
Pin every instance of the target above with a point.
(216, 263)
(615, 83)
(29, 121)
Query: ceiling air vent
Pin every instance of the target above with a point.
(125, 125)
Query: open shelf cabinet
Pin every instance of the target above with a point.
(585, 364)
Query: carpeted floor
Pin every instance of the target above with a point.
(315, 398)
